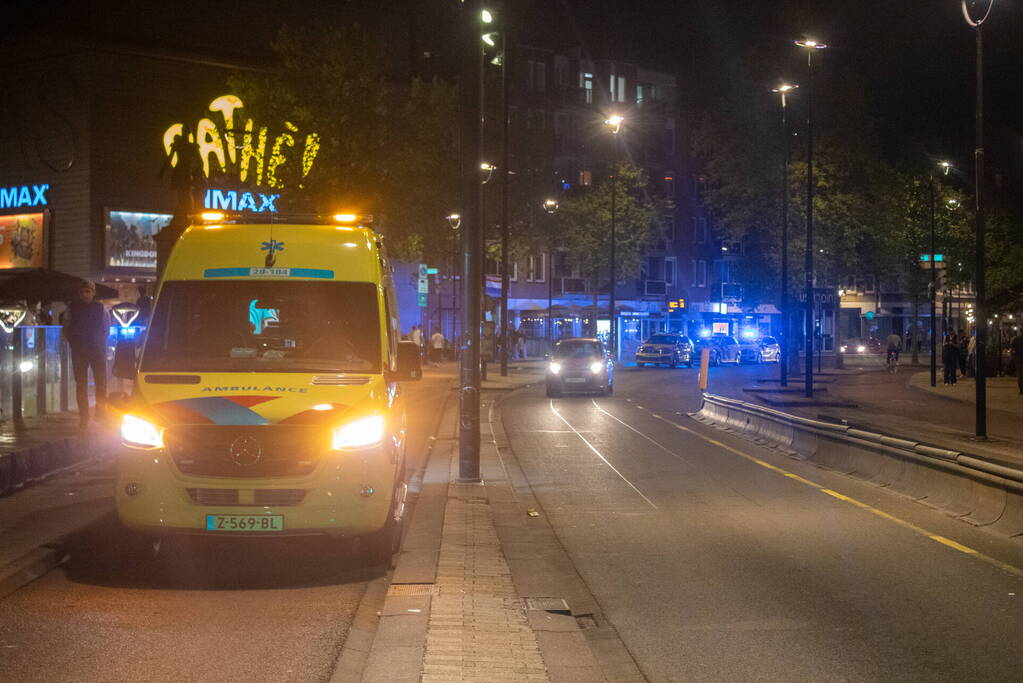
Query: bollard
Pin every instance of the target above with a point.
(704, 367)
(16, 413)
(40, 333)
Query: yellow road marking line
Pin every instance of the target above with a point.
(835, 494)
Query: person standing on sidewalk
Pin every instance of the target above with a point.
(416, 335)
(436, 347)
(1017, 359)
(86, 332)
(950, 358)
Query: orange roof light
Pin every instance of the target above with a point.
(212, 216)
(346, 217)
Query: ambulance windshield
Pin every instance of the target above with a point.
(264, 326)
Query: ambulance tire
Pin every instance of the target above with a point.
(381, 546)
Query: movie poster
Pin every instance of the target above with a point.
(23, 241)
(130, 242)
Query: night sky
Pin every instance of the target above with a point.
(916, 57)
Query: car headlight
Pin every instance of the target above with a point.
(555, 368)
(139, 433)
(369, 431)
(861, 349)
(843, 348)
(596, 367)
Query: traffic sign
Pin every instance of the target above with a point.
(422, 299)
(869, 315)
(926, 258)
(432, 271)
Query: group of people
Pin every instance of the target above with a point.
(437, 344)
(958, 352)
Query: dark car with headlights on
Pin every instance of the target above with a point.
(666, 349)
(580, 365)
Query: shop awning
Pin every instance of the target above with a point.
(42, 284)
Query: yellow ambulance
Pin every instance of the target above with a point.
(267, 400)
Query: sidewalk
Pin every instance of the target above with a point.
(472, 596)
(905, 405)
(71, 488)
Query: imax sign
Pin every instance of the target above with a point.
(230, 200)
(23, 196)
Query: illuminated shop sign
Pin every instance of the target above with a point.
(232, 200)
(23, 241)
(230, 144)
(23, 196)
(130, 239)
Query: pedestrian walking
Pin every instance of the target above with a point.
(86, 333)
(963, 351)
(971, 354)
(950, 358)
(1017, 359)
(436, 347)
(520, 343)
(417, 336)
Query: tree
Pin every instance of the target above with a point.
(386, 148)
(582, 226)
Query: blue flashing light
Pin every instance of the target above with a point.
(749, 334)
(704, 333)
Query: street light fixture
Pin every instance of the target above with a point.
(454, 220)
(811, 47)
(614, 123)
(983, 12)
(784, 89)
(945, 166)
(488, 168)
(486, 16)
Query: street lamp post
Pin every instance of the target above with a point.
(981, 326)
(934, 278)
(550, 206)
(811, 47)
(614, 123)
(784, 89)
(469, 366)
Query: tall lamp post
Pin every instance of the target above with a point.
(550, 206)
(471, 136)
(811, 47)
(614, 124)
(983, 10)
(946, 166)
(784, 89)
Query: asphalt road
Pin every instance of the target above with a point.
(717, 559)
(203, 610)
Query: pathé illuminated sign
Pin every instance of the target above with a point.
(21, 196)
(229, 145)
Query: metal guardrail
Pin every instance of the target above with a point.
(980, 491)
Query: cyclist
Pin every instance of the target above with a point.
(894, 343)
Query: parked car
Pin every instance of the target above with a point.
(723, 349)
(666, 349)
(763, 350)
(580, 365)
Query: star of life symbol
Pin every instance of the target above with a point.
(271, 247)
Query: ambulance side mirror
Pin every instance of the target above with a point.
(410, 363)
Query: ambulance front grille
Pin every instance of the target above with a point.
(273, 451)
(262, 497)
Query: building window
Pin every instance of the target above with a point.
(559, 123)
(669, 186)
(699, 273)
(585, 177)
(617, 84)
(700, 230)
(640, 93)
(670, 266)
(537, 76)
(586, 84)
(536, 268)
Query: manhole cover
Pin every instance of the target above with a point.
(554, 605)
(409, 589)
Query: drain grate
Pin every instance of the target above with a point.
(409, 589)
(553, 605)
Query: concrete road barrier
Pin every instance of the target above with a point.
(978, 491)
(21, 467)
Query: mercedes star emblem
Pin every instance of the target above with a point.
(246, 451)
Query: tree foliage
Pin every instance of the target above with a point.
(582, 225)
(387, 148)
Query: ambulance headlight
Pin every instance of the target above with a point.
(368, 431)
(555, 368)
(596, 367)
(139, 433)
